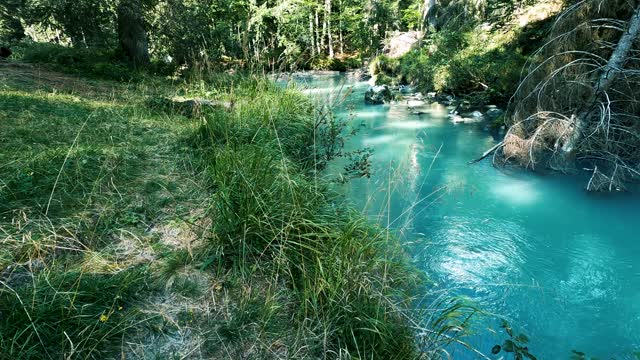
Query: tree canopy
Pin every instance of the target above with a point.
(254, 32)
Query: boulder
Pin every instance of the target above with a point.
(457, 119)
(378, 95)
(359, 75)
(493, 113)
(474, 114)
(401, 43)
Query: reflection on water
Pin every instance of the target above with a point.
(559, 264)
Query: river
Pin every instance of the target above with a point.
(561, 265)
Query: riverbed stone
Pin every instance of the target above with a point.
(378, 95)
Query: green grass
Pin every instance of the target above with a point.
(61, 312)
(128, 230)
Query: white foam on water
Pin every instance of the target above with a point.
(408, 125)
(516, 191)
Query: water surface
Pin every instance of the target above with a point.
(561, 265)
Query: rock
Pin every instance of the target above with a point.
(475, 114)
(445, 99)
(378, 95)
(359, 75)
(493, 113)
(401, 43)
(457, 119)
(415, 103)
(406, 89)
(5, 52)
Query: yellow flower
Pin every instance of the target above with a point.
(120, 308)
(104, 318)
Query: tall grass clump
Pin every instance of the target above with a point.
(59, 312)
(349, 279)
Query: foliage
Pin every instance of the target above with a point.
(260, 34)
(516, 345)
(84, 23)
(335, 64)
(479, 61)
(100, 63)
(61, 312)
(119, 220)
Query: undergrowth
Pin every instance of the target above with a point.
(481, 62)
(132, 232)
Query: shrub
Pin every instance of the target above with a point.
(349, 279)
(100, 63)
(471, 61)
(335, 64)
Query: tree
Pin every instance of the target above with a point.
(327, 26)
(608, 74)
(132, 33)
(11, 28)
(428, 14)
(578, 106)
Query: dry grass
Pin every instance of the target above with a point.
(559, 87)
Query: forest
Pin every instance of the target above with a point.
(168, 185)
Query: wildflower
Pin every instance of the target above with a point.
(104, 318)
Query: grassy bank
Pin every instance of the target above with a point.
(129, 230)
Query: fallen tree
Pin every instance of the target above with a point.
(579, 104)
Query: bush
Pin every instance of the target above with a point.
(349, 279)
(335, 64)
(471, 62)
(100, 63)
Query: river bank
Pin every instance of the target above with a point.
(534, 250)
(196, 234)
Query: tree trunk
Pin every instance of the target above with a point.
(245, 41)
(318, 41)
(323, 38)
(607, 76)
(428, 14)
(313, 36)
(131, 31)
(327, 21)
(340, 26)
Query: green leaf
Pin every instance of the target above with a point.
(509, 346)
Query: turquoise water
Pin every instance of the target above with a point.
(561, 265)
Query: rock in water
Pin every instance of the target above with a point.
(377, 95)
(5, 52)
